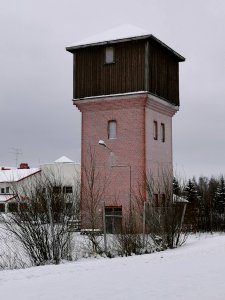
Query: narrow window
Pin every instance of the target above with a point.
(109, 55)
(7, 190)
(155, 130)
(163, 132)
(2, 191)
(112, 129)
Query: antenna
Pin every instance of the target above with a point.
(17, 152)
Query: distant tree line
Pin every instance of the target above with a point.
(206, 207)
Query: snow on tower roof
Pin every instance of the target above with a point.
(63, 159)
(118, 34)
(122, 32)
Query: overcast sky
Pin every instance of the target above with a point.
(36, 113)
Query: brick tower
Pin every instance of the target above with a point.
(126, 85)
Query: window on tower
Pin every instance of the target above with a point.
(112, 129)
(109, 55)
(163, 132)
(155, 130)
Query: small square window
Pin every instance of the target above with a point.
(12, 207)
(56, 189)
(155, 130)
(163, 132)
(68, 189)
(109, 55)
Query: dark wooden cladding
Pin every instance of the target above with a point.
(129, 73)
(163, 73)
(93, 77)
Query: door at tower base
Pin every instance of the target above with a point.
(113, 219)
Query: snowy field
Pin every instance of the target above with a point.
(194, 271)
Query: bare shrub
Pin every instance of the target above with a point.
(42, 223)
(94, 184)
(12, 255)
(129, 240)
(163, 212)
(164, 226)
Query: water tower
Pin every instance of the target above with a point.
(126, 85)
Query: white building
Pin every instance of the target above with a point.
(10, 179)
(62, 170)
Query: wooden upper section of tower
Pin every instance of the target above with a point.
(125, 60)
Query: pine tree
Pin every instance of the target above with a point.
(176, 187)
(190, 191)
(220, 196)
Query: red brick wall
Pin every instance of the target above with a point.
(128, 149)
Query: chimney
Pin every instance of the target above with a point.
(24, 166)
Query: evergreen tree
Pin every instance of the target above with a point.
(220, 196)
(203, 186)
(190, 191)
(176, 187)
(213, 184)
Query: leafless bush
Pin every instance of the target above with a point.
(12, 255)
(128, 238)
(163, 213)
(164, 226)
(42, 223)
(94, 184)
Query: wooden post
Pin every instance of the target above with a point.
(144, 217)
(104, 228)
(181, 222)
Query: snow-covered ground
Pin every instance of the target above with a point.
(194, 271)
